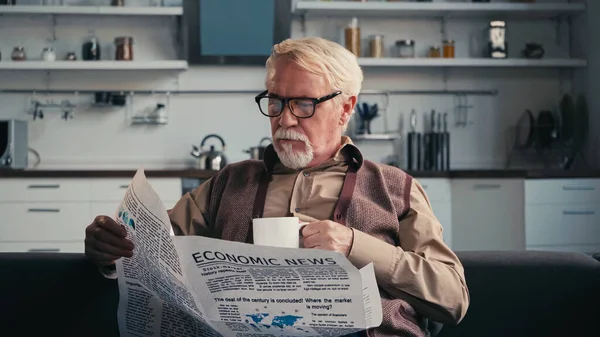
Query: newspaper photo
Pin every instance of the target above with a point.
(197, 286)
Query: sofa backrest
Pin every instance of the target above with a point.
(56, 294)
(512, 294)
(529, 293)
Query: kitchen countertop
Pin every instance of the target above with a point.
(203, 174)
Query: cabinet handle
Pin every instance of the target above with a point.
(43, 210)
(572, 212)
(579, 188)
(44, 186)
(486, 186)
(124, 186)
(42, 250)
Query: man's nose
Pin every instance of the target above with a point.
(287, 118)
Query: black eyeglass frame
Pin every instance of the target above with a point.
(286, 102)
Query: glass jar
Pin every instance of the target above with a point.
(90, 50)
(405, 48)
(18, 54)
(48, 54)
(124, 48)
(435, 52)
(448, 48)
(376, 46)
(352, 37)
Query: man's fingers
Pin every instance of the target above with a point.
(302, 230)
(100, 258)
(313, 241)
(110, 225)
(311, 229)
(109, 250)
(111, 239)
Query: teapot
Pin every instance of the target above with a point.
(211, 159)
(257, 152)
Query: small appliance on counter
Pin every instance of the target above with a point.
(212, 159)
(257, 152)
(13, 144)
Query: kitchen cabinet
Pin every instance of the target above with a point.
(488, 214)
(48, 221)
(51, 214)
(563, 215)
(43, 214)
(107, 193)
(44, 190)
(439, 194)
(42, 247)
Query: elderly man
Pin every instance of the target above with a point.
(364, 210)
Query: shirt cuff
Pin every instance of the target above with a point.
(366, 249)
(109, 271)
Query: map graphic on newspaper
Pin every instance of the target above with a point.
(197, 286)
(281, 322)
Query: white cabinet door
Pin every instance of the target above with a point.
(437, 189)
(110, 208)
(562, 191)
(488, 214)
(43, 247)
(51, 214)
(563, 215)
(103, 208)
(113, 189)
(44, 221)
(107, 193)
(555, 226)
(439, 194)
(42, 189)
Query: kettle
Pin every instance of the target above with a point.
(257, 152)
(212, 159)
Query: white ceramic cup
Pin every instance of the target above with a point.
(277, 232)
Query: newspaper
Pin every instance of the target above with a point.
(198, 286)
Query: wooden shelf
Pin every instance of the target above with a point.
(94, 65)
(437, 9)
(92, 10)
(471, 62)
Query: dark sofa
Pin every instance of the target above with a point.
(512, 294)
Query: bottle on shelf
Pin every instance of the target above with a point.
(90, 50)
(352, 37)
(448, 48)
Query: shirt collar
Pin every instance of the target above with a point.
(348, 153)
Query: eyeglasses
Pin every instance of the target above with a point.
(301, 107)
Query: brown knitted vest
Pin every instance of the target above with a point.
(378, 199)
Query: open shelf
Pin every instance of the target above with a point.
(94, 65)
(470, 62)
(92, 10)
(374, 136)
(437, 9)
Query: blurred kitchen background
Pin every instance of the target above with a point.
(492, 105)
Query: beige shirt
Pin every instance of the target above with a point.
(423, 270)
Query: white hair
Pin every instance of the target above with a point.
(322, 57)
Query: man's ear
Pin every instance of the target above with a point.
(347, 107)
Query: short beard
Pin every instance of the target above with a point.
(293, 159)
